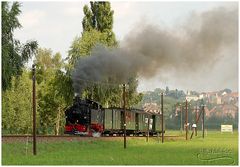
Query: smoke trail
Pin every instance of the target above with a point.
(149, 50)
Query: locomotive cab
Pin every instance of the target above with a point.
(84, 117)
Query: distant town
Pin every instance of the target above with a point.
(224, 102)
(220, 106)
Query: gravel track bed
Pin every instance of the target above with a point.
(53, 138)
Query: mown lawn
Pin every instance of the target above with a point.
(215, 149)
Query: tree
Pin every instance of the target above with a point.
(14, 54)
(82, 46)
(226, 90)
(97, 29)
(17, 105)
(100, 18)
(54, 92)
(167, 90)
(133, 97)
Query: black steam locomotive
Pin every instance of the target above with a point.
(86, 117)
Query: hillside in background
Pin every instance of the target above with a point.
(221, 107)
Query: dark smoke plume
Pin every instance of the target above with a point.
(149, 49)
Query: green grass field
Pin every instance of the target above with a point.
(215, 149)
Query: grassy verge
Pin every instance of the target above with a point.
(215, 149)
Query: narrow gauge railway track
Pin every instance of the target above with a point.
(54, 138)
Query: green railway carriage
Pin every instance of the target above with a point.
(116, 119)
(108, 121)
(130, 120)
(136, 121)
(157, 124)
(113, 120)
(141, 121)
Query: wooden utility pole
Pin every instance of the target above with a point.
(124, 115)
(34, 109)
(203, 113)
(148, 128)
(181, 118)
(196, 120)
(162, 117)
(186, 120)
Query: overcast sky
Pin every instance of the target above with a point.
(55, 24)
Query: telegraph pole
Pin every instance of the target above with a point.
(181, 117)
(124, 115)
(196, 120)
(203, 120)
(34, 108)
(162, 117)
(148, 128)
(186, 120)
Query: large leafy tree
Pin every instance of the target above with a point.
(53, 91)
(97, 29)
(14, 54)
(82, 46)
(132, 96)
(100, 18)
(52, 97)
(17, 105)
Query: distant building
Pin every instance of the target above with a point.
(211, 97)
(192, 97)
(230, 98)
(234, 95)
(224, 93)
(226, 104)
(151, 107)
(202, 95)
(218, 99)
(207, 112)
(229, 109)
(223, 110)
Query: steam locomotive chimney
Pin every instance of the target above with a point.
(76, 98)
